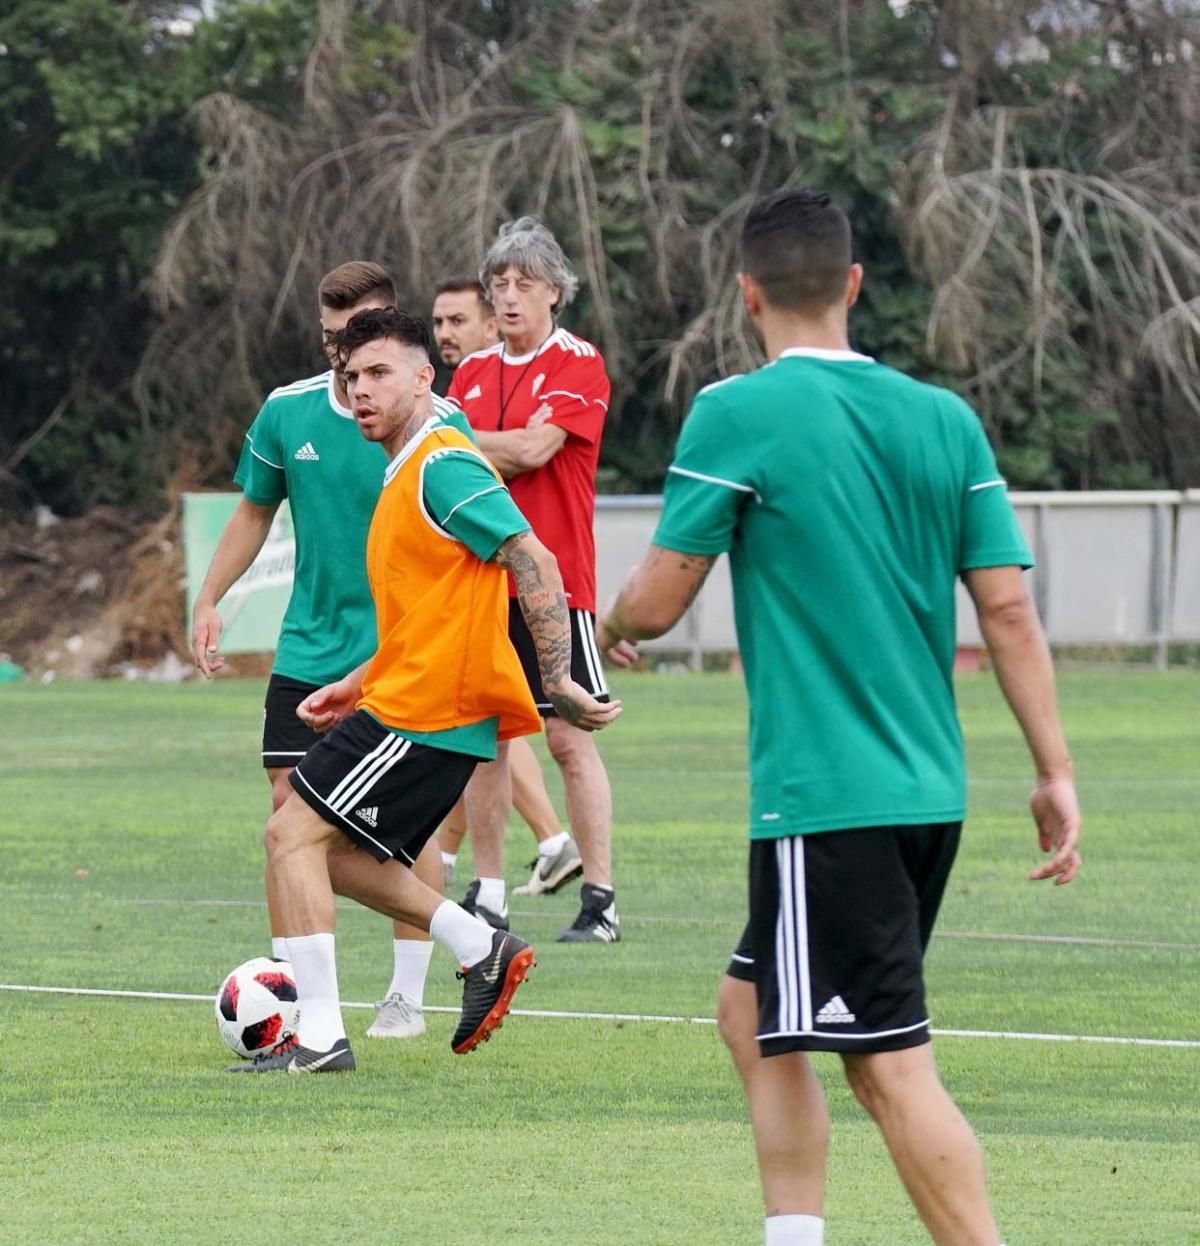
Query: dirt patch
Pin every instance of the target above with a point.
(101, 595)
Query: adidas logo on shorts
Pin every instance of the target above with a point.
(371, 818)
(307, 453)
(836, 1013)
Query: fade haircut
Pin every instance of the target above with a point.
(797, 245)
(374, 323)
(463, 283)
(349, 284)
(528, 246)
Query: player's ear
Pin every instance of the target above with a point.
(751, 293)
(424, 377)
(854, 280)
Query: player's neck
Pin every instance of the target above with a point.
(399, 439)
(518, 344)
(782, 332)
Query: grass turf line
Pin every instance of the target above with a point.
(119, 1126)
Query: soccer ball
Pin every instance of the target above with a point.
(256, 1007)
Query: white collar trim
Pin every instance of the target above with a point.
(533, 354)
(406, 450)
(822, 352)
(344, 412)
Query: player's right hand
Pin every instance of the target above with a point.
(325, 708)
(206, 640)
(574, 704)
(1055, 809)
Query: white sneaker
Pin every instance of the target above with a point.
(398, 1017)
(550, 873)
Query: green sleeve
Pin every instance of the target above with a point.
(260, 471)
(462, 496)
(450, 414)
(989, 535)
(710, 481)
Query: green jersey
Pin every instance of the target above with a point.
(849, 497)
(305, 446)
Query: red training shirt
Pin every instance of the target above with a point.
(558, 499)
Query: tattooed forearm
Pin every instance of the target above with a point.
(543, 604)
(658, 593)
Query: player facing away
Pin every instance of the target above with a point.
(411, 724)
(537, 401)
(304, 446)
(463, 323)
(849, 497)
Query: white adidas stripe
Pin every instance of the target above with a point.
(369, 778)
(366, 762)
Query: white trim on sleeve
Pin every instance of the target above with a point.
(987, 484)
(715, 480)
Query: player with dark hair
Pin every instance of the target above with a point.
(464, 323)
(410, 725)
(463, 319)
(304, 446)
(849, 497)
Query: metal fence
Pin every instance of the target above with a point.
(1112, 569)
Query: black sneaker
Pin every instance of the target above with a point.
(597, 921)
(470, 902)
(489, 988)
(296, 1059)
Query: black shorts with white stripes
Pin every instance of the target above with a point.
(839, 923)
(586, 667)
(285, 737)
(387, 793)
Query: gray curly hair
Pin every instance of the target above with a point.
(528, 246)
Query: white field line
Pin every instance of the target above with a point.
(554, 1014)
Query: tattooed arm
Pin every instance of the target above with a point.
(653, 599)
(543, 604)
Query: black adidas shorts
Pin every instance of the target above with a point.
(586, 668)
(285, 737)
(839, 923)
(387, 793)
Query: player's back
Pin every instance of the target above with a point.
(856, 487)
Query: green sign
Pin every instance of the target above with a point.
(252, 610)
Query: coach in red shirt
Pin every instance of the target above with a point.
(537, 401)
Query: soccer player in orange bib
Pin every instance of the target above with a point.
(407, 729)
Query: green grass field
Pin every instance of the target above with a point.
(130, 818)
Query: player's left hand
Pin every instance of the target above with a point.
(325, 708)
(575, 705)
(1055, 809)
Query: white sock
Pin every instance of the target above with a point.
(315, 970)
(554, 845)
(410, 965)
(279, 947)
(795, 1231)
(491, 895)
(468, 939)
(449, 858)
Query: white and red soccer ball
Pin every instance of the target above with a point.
(256, 1007)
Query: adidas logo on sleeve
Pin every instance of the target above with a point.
(307, 453)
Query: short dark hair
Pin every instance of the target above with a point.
(462, 283)
(374, 323)
(349, 284)
(797, 244)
